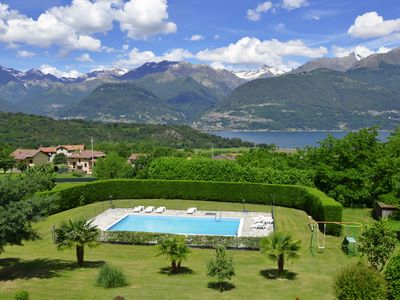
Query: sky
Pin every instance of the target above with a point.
(71, 37)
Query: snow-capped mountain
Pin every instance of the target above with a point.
(264, 72)
(105, 72)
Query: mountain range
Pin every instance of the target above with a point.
(328, 93)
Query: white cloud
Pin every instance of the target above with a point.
(217, 37)
(44, 32)
(85, 57)
(125, 47)
(360, 51)
(255, 14)
(195, 38)
(72, 27)
(294, 4)
(141, 18)
(85, 16)
(47, 69)
(252, 51)
(25, 54)
(136, 57)
(370, 25)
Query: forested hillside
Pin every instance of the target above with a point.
(20, 130)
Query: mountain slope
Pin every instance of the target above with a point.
(7, 106)
(341, 64)
(124, 102)
(20, 130)
(320, 99)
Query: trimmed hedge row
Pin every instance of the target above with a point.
(207, 169)
(204, 241)
(314, 202)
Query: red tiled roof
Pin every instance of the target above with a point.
(20, 154)
(87, 154)
(80, 147)
(48, 149)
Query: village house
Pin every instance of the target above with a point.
(50, 151)
(83, 161)
(30, 157)
(68, 150)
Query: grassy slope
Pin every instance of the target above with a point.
(49, 274)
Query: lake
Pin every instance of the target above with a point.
(287, 139)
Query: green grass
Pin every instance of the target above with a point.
(61, 185)
(50, 274)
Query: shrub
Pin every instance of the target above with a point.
(314, 202)
(173, 168)
(204, 241)
(221, 267)
(377, 244)
(359, 282)
(111, 277)
(392, 276)
(21, 295)
(77, 174)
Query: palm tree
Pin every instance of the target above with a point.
(77, 233)
(175, 250)
(279, 247)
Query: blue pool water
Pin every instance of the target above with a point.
(178, 225)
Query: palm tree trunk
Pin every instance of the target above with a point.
(281, 261)
(79, 255)
(178, 266)
(173, 266)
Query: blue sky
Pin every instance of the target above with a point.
(71, 37)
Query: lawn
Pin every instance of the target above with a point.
(50, 274)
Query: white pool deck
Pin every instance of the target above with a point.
(113, 215)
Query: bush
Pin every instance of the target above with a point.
(314, 202)
(21, 295)
(77, 174)
(172, 168)
(392, 276)
(111, 277)
(204, 241)
(359, 282)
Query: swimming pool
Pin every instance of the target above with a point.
(178, 225)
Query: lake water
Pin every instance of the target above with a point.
(287, 139)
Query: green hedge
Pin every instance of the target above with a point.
(206, 169)
(206, 241)
(314, 202)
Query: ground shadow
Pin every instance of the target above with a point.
(168, 271)
(221, 286)
(15, 268)
(274, 274)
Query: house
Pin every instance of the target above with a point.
(383, 210)
(67, 150)
(31, 157)
(134, 157)
(82, 161)
(50, 151)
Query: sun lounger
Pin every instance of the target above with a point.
(258, 226)
(191, 210)
(149, 209)
(138, 209)
(160, 209)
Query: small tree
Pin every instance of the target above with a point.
(77, 233)
(7, 162)
(221, 267)
(175, 250)
(359, 282)
(392, 276)
(59, 158)
(280, 247)
(377, 244)
(113, 166)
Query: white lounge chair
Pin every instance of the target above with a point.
(160, 209)
(258, 226)
(138, 209)
(191, 210)
(149, 209)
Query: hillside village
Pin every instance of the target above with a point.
(78, 158)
